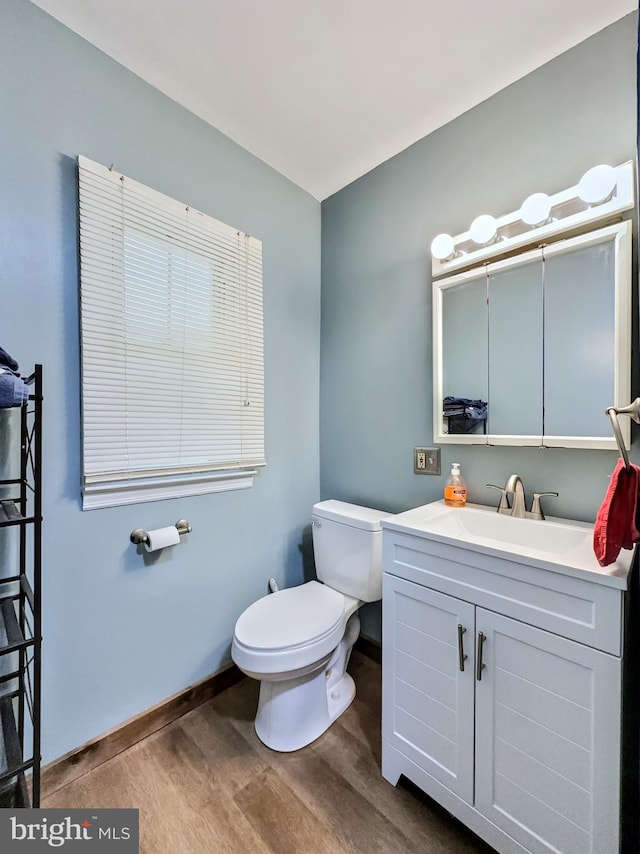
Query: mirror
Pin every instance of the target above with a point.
(538, 344)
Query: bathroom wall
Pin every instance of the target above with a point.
(121, 631)
(540, 134)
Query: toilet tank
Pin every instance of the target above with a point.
(347, 547)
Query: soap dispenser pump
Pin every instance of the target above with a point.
(455, 489)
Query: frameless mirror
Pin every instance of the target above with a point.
(515, 365)
(465, 339)
(542, 340)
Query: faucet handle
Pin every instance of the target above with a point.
(536, 507)
(503, 506)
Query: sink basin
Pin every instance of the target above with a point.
(476, 522)
(561, 544)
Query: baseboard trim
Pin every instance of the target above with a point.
(83, 759)
(370, 647)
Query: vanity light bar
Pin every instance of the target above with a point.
(602, 193)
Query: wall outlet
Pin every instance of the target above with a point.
(426, 460)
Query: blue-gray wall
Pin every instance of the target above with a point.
(540, 134)
(120, 632)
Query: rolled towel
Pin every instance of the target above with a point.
(13, 392)
(9, 361)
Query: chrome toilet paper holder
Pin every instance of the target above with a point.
(140, 537)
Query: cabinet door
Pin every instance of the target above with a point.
(516, 293)
(427, 707)
(547, 739)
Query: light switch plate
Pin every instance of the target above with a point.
(426, 460)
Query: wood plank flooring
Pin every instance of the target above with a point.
(205, 784)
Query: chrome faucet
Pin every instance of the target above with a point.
(518, 509)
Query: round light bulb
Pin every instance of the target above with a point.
(443, 247)
(535, 209)
(597, 184)
(483, 229)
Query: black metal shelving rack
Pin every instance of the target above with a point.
(20, 614)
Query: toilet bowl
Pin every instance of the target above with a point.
(297, 641)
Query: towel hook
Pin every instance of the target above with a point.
(633, 411)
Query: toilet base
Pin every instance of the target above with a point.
(294, 712)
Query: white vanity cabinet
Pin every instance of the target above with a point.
(502, 693)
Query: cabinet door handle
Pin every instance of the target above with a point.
(461, 656)
(480, 665)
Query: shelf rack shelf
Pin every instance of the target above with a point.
(20, 613)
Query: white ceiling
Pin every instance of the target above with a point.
(325, 90)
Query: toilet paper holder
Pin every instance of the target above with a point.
(140, 536)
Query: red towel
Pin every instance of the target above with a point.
(615, 526)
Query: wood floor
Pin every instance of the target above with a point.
(205, 783)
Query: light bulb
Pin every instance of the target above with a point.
(443, 247)
(597, 184)
(483, 229)
(535, 209)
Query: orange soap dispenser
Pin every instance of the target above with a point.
(455, 489)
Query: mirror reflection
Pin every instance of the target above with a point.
(531, 350)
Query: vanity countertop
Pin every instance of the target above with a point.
(557, 545)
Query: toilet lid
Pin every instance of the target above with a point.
(291, 617)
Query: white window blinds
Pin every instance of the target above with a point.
(172, 345)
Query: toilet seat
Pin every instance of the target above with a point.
(290, 629)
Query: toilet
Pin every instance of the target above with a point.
(297, 641)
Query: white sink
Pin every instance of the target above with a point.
(560, 544)
(475, 522)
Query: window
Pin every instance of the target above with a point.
(172, 346)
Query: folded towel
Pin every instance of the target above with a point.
(9, 361)
(615, 526)
(476, 409)
(13, 392)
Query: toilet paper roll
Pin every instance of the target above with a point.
(162, 537)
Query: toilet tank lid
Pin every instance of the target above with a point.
(350, 514)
